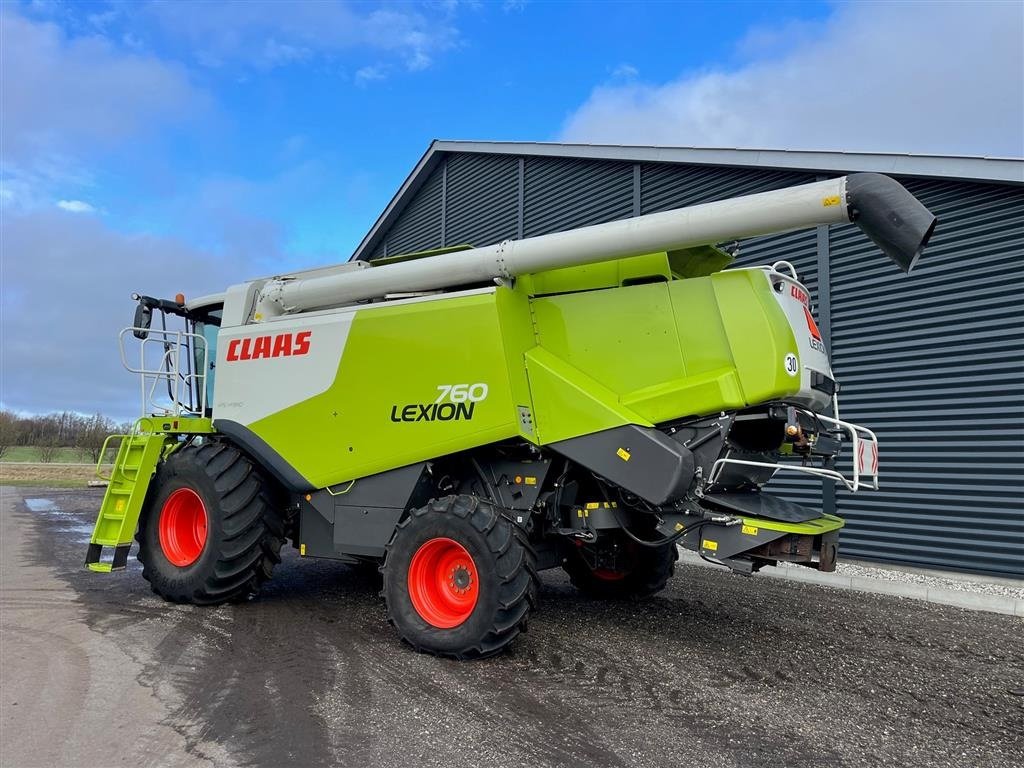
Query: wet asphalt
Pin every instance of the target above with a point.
(719, 670)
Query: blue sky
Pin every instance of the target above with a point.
(165, 146)
(315, 133)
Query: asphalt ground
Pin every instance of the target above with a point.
(719, 670)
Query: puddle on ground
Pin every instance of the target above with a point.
(67, 525)
(42, 505)
(81, 532)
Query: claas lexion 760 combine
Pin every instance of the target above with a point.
(465, 418)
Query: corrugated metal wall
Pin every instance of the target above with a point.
(419, 226)
(483, 199)
(931, 361)
(569, 193)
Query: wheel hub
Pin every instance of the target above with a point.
(460, 579)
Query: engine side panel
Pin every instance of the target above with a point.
(347, 393)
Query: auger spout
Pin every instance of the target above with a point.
(884, 210)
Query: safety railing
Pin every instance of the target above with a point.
(166, 357)
(864, 445)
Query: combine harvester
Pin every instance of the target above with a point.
(585, 400)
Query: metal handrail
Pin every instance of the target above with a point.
(860, 437)
(170, 370)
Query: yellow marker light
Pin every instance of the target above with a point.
(792, 430)
(179, 299)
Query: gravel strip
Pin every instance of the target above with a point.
(972, 585)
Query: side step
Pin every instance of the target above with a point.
(137, 457)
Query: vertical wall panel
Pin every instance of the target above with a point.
(665, 186)
(418, 227)
(932, 362)
(568, 193)
(482, 199)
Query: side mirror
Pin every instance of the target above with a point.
(143, 319)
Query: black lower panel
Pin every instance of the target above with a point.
(762, 505)
(359, 518)
(644, 461)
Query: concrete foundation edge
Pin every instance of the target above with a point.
(972, 601)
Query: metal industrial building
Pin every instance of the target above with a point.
(933, 362)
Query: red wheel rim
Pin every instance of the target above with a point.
(182, 527)
(443, 584)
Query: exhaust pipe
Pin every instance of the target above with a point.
(890, 216)
(880, 206)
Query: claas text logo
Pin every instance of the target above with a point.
(278, 345)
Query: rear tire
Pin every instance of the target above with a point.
(640, 571)
(210, 531)
(460, 578)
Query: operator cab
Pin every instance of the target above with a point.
(188, 352)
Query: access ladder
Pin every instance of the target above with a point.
(137, 457)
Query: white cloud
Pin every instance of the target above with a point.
(625, 71)
(61, 94)
(64, 99)
(941, 78)
(75, 206)
(59, 324)
(367, 75)
(266, 34)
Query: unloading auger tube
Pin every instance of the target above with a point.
(883, 209)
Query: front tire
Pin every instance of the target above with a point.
(460, 578)
(210, 531)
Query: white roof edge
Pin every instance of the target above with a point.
(204, 301)
(968, 167)
(1007, 170)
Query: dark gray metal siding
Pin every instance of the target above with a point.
(418, 228)
(483, 199)
(932, 361)
(664, 186)
(568, 193)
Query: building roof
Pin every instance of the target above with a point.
(1007, 170)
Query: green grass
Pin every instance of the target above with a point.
(30, 453)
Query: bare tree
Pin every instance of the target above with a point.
(48, 449)
(92, 433)
(8, 431)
